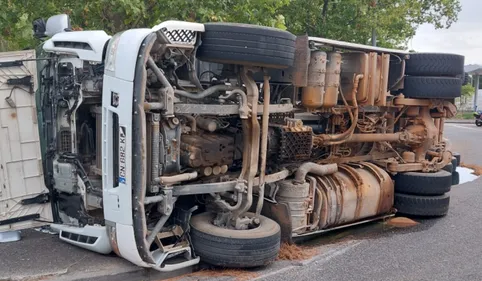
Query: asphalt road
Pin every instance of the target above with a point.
(444, 249)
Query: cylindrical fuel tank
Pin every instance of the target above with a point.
(332, 79)
(313, 94)
(355, 192)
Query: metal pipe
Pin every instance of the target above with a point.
(353, 115)
(168, 180)
(441, 130)
(209, 91)
(156, 143)
(375, 137)
(281, 175)
(244, 169)
(243, 100)
(264, 143)
(225, 205)
(313, 168)
(153, 199)
(193, 122)
(148, 106)
(159, 73)
(254, 140)
(340, 138)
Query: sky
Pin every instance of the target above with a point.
(463, 37)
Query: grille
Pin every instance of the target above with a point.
(180, 36)
(279, 118)
(295, 145)
(79, 237)
(65, 141)
(73, 45)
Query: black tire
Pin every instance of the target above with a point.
(449, 168)
(457, 156)
(454, 164)
(455, 178)
(432, 87)
(426, 64)
(423, 183)
(235, 248)
(478, 123)
(247, 44)
(424, 206)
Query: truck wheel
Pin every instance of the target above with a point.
(455, 178)
(449, 168)
(423, 183)
(432, 87)
(457, 156)
(454, 164)
(247, 44)
(426, 64)
(235, 248)
(426, 206)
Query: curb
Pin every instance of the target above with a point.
(136, 274)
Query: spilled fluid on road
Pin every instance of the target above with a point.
(466, 174)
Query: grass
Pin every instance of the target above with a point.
(464, 115)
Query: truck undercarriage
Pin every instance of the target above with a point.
(219, 141)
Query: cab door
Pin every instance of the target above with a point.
(24, 198)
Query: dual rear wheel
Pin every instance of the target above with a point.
(434, 76)
(426, 194)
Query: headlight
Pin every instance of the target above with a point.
(111, 52)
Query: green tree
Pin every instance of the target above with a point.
(395, 21)
(467, 92)
(351, 20)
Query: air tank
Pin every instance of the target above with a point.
(313, 94)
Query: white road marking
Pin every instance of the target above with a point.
(463, 127)
(327, 256)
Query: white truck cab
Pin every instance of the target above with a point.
(215, 142)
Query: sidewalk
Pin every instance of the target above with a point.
(40, 256)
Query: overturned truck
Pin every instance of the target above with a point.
(218, 141)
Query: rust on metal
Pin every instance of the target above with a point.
(332, 80)
(355, 192)
(299, 71)
(313, 94)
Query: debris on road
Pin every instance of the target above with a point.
(401, 222)
(477, 170)
(294, 252)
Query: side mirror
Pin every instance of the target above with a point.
(57, 24)
(39, 28)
